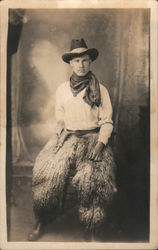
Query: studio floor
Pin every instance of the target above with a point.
(119, 227)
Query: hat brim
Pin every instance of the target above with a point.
(93, 53)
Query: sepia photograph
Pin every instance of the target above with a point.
(78, 165)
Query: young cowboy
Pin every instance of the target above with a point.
(80, 141)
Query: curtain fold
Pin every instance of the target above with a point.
(123, 65)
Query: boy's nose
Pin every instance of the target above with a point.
(81, 64)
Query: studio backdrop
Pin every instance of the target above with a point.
(36, 40)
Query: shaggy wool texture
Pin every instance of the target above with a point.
(93, 181)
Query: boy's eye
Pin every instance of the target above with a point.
(83, 61)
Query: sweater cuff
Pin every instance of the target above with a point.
(105, 133)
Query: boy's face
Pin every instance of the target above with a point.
(81, 65)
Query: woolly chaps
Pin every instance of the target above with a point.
(94, 182)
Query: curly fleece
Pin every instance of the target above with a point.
(93, 181)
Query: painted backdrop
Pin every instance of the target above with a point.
(36, 70)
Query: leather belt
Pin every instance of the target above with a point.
(83, 132)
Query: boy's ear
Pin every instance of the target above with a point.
(71, 62)
(90, 59)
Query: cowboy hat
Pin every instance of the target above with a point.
(79, 48)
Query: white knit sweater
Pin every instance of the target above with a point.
(78, 115)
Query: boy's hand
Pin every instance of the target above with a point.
(96, 153)
(59, 128)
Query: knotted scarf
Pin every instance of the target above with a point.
(90, 82)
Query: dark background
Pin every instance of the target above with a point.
(36, 40)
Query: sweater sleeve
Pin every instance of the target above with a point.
(105, 116)
(59, 114)
(59, 109)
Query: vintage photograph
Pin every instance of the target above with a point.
(78, 159)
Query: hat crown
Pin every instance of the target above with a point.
(78, 43)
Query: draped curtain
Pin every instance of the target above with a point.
(122, 37)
